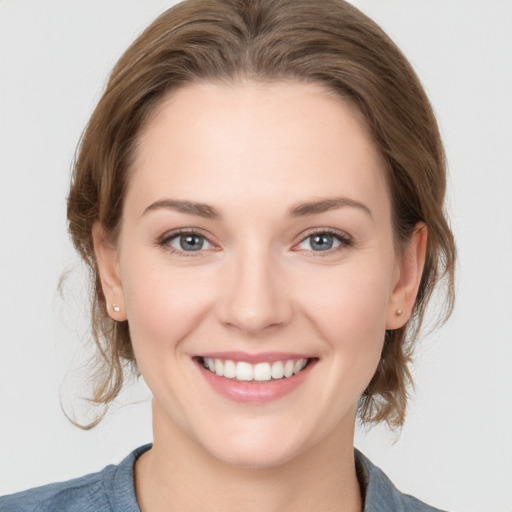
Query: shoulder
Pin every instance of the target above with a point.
(381, 493)
(109, 490)
(85, 493)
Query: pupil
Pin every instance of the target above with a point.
(322, 242)
(191, 242)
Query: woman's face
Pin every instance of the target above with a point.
(256, 238)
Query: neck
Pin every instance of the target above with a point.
(177, 474)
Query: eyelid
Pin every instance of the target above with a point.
(163, 241)
(345, 239)
(182, 231)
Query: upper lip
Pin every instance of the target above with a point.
(262, 357)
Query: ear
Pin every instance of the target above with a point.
(108, 267)
(407, 282)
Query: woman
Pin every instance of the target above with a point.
(259, 197)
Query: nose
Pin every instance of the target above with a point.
(255, 297)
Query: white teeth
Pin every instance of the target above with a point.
(288, 368)
(277, 370)
(244, 371)
(299, 365)
(229, 369)
(219, 367)
(260, 372)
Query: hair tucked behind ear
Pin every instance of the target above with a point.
(329, 42)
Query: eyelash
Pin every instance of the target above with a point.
(168, 237)
(344, 239)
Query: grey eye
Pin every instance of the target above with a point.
(189, 242)
(320, 242)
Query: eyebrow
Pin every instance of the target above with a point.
(324, 205)
(190, 207)
(302, 209)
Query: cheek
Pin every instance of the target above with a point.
(162, 306)
(349, 310)
(350, 300)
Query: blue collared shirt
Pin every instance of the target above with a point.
(112, 490)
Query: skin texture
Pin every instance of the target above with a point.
(253, 152)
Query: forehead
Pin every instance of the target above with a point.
(260, 141)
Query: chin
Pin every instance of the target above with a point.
(257, 446)
(254, 457)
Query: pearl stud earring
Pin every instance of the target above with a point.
(116, 308)
(398, 312)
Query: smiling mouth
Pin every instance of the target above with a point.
(243, 371)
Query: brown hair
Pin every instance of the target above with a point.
(324, 41)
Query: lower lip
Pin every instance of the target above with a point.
(255, 392)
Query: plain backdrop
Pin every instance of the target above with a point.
(455, 450)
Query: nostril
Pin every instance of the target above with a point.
(255, 300)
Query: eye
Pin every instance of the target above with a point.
(186, 242)
(323, 241)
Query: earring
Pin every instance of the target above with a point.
(116, 308)
(398, 312)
